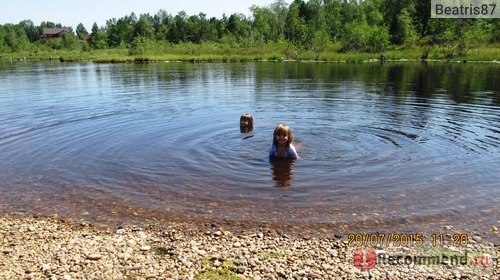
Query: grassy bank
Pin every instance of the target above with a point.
(211, 52)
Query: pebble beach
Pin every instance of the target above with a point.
(47, 248)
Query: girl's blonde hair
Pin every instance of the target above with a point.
(283, 129)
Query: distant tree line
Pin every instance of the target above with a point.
(353, 25)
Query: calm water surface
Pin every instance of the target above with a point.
(402, 145)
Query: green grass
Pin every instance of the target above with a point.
(160, 251)
(273, 255)
(216, 275)
(224, 271)
(212, 52)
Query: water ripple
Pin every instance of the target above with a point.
(165, 138)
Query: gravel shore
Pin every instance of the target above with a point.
(45, 248)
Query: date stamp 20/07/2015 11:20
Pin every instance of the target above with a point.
(406, 239)
(437, 250)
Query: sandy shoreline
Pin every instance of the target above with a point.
(45, 248)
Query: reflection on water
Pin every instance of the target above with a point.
(398, 143)
(282, 171)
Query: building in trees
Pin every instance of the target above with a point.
(51, 33)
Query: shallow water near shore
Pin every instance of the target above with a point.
(395, 146)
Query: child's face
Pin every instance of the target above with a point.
(245, 122)
(281, 138)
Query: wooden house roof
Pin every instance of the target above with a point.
(54, 31)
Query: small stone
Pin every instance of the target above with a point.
(30, 270)
(7, 251)
(187, 264)
(201, 252)
(241, 261)
(135, 267)
(311, 275)
(494, 229)
(332, 252)
(477, 239)
(252, 263)
(145, 248)
(45, 267)
(124, 256)
(94, 257)
(240, 270)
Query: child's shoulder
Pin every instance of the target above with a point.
(292, 152)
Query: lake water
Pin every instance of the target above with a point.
(394, 146)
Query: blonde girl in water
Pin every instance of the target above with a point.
(282, 146)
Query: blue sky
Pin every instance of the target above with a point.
(72, 12)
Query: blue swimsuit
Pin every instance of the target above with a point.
(290, 152)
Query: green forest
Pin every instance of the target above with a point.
(314, 30)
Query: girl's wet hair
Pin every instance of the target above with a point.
(246, 118)
(246, 123)
(283, 129)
